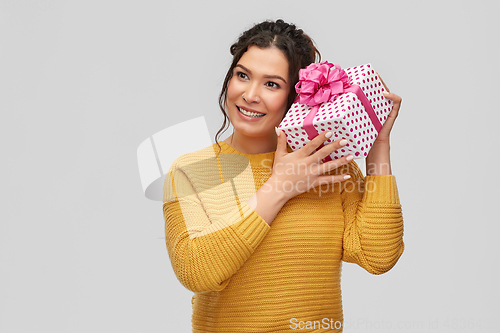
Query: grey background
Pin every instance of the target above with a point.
(83, 83)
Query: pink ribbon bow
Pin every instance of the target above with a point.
(321, 82)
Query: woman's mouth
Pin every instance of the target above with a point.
(251, 114)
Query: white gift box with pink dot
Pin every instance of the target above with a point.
(345, 116)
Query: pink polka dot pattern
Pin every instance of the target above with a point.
(345, 116)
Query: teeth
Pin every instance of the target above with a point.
(251, 114)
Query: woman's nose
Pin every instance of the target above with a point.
(252, 94)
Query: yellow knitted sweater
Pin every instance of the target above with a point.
(248, 276)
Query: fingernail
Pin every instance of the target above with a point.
(277, 131)
(343, 142)
(350, 157)
(329, 134)
(385, 93)
(347, 177)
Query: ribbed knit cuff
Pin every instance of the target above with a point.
(252, 227)
(381, 188)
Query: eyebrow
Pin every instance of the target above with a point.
(266, 76)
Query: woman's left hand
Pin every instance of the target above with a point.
(383, 135)
(378, 161)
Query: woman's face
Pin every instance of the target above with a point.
(259, 84)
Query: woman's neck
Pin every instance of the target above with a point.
(252, 145)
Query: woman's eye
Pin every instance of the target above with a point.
(242, 75)
(272, 84)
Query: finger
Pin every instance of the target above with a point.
(332, 165)
(281, 144)
(386, 129)
(385, 86)
(311, 146)
(328, 149)
(393, 97)
(328, 179)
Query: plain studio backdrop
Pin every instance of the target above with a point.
(83, 83)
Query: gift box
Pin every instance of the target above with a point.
(347, 102)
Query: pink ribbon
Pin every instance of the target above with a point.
(320, 83)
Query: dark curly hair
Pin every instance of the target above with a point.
(297, 47)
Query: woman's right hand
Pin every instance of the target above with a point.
(298, 171)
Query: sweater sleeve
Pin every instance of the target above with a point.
(206, 248)
(373, 227)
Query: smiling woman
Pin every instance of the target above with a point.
(256, 99)
(262, 247)
(268, 55)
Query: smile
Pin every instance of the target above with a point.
(251, 114)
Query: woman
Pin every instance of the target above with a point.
(258, 231)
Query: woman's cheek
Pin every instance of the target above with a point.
(234, 87)
(280, 103)
(230, 88)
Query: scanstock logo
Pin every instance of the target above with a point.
(156, 154)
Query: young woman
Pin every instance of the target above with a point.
(257, 231)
